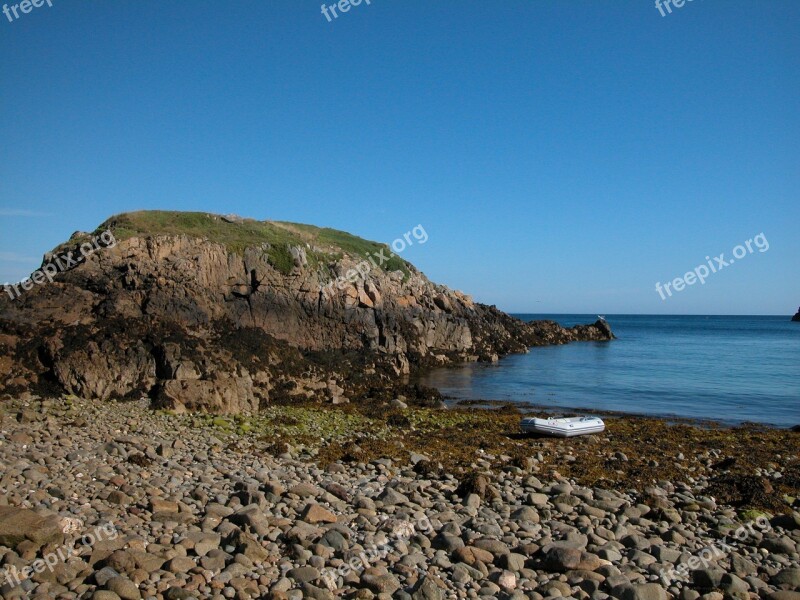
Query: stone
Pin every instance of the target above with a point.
(124, 588)
(538, 500)
(779, 545)
(472, 501)
(305, 490)
(788, 577)
(122, 561)
(104, 575)
(335, 540)
(20, 524)
(180, 564)
(390, 497)
(568, 559)
(427, 589)
(742, 566)
(707, 579)
(447, 542)
(642, 591)
(471, 554)
(304, 574)
(314, 513)
(158, 505)
(784, 595)
(733, 586)
(176, 593)
(118, 497)
(507, 580)
(513, 562)
(380, 583)
(104, 595)
(526, 513)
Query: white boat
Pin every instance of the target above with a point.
(567, 427)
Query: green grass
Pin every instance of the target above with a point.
(327, 245)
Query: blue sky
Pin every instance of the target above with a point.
(563, 156)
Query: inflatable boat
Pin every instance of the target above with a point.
(567, 427)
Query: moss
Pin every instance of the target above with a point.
(752, 514)
(221, 422)
(281, 258)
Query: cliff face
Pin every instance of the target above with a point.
(225, 314)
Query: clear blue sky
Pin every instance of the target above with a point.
(563, 156)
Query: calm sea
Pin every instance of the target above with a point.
(728, 369)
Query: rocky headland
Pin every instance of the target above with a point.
(223, 314)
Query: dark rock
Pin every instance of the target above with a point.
(707, 579)
(304, 574)
(427, 589)
(476, 483)
(644, 591)
(124, 588)
(789, 578)
(784, 595)
(564, 559)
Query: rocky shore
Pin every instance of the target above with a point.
(223, 314)
(207, 406)
(117, 501)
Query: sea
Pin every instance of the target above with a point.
(725, 369)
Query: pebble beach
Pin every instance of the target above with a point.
(117, 501)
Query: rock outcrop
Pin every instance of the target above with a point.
(796, 317)
(225, 314)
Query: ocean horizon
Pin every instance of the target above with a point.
(731, 369)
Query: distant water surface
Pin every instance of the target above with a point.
(728, 369)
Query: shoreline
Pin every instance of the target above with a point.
(574, 376)
(453, 402)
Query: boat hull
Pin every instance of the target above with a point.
(563, 427)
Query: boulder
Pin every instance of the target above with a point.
(20, 524)
(563, 559)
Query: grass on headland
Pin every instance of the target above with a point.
(322, 245)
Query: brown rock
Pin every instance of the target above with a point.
(471, 554)
(314, 513)
(19, 524)
(564, 559)
(163, 506)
